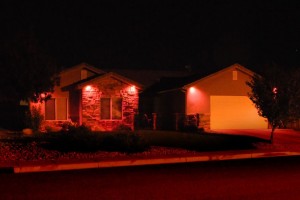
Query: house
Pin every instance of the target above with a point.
(87, 95)
(214, 101)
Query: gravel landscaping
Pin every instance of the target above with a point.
(14, 153)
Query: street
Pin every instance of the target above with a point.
(272, 178)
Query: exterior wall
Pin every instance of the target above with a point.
(66, 78)
(219, 84)
(108, 87)
(73, 75)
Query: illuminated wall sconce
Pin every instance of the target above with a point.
(192, 90)
(43, 95)
(132, 89)
(88, 88)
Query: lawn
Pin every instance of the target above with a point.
(83, 144)
(199, 141)
(82, 140)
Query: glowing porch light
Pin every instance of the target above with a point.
(275, 90)
(88, 88)
(43, 95)
(132, 89)
(192, 90)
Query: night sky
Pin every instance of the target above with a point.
(161, 34)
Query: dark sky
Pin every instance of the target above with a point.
(161, 34)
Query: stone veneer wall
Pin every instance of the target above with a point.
(108, 88)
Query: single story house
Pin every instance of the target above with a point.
(220, 100)
(87, 95)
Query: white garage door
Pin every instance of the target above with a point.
(234, 112)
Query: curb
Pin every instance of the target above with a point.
(141, 162)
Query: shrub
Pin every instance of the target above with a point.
(128, 142)
(34, 118)
(82, 139)
(189, 128)
(122, 127)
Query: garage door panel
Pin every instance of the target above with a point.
(234, 112)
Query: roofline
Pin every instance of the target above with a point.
(86, 66)
(236, 65)
(170, 90)
(114, 75)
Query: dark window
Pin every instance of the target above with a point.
(116, 108)
(105, 108)
(111, 108)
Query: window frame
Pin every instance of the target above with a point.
(111, 109)
(56, 108)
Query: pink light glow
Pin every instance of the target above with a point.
(275, 90)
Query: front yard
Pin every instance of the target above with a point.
(82, 144)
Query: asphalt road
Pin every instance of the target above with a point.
(272, 178)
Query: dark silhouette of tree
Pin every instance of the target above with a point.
(26, 71)
(276, 95)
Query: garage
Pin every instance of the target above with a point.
(234, 112)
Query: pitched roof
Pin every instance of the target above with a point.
(148, 77)
(235, 66)
(112, 75)
(175, 83)
(80, 84)
(84, 66)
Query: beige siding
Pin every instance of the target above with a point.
(228, 82)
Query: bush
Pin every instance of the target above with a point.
(34, 118)
(122, 127)
(82, 139)
(128, 142)
(189, 128)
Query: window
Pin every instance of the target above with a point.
(56, 109)
(111, 108)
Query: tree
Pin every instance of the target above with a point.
(276, 95)
(26, 71)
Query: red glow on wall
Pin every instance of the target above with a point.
(194, 94)
(275, 90)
